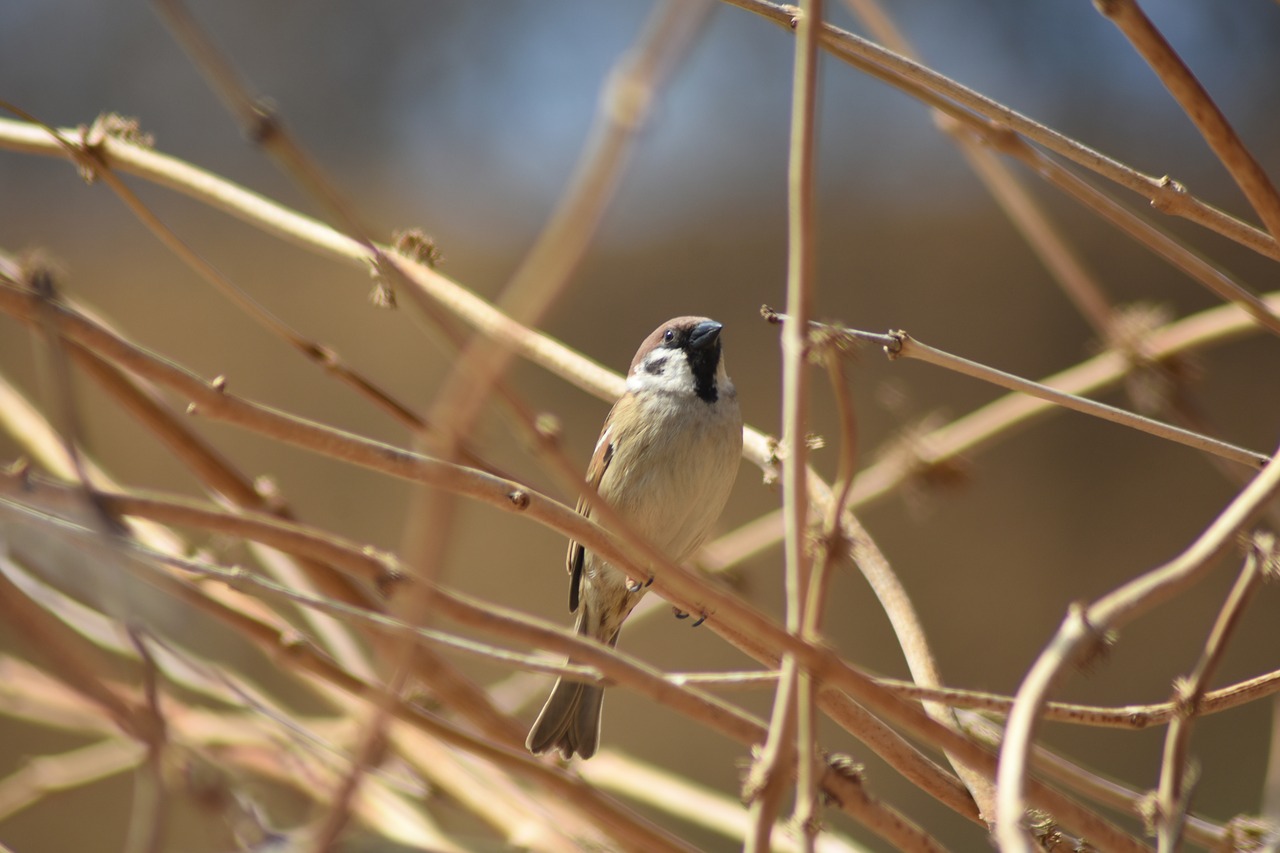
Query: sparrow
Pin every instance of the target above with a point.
(665, 462)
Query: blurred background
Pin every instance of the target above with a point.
(466, 119)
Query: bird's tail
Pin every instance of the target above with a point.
(570, 720)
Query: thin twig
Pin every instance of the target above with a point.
(257, 118)
(459, 608)
(39, 777)
(86, 153)
(693, 803)
(910, 348)
(1084, 626)
(831, 549)
(756, 635)
(974, 431)
(741, 625)
(1146, 234)
(899, 344)
(630, 92)
(1097, 788)
(790, 736)
(149, 814)
(874, 814)
(962, 103)
(302, 659)
(622, 669)
(1208, 118)
(1172, 793)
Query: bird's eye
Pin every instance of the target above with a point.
(669, 335)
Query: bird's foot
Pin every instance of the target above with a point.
(681, 614)
(636, 586)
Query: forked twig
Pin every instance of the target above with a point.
(1173, 793)
(1083, 627)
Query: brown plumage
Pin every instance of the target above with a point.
(665, 461)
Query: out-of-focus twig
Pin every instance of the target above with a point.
(291, 537)
(693, 803)
(628, 98)
(40, 776)
(745, 627)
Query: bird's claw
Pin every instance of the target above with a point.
(636, 586)
(681, 614)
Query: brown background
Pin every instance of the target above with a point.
(465, 119)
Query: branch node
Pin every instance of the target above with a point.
(1250, 832)
(830, 340)
(519, 499)
(757, 777)
(416, 245)
(1168, 195)
(1097, 644)
(20, 471)
(1153, 384)
(1266, 550)
(219, 384)
(1186, 701)
(91, 155)
(269, 490)
(844, 766)
(263, 122)
(898, 339)
(547, 429)
(1148, 808)
(391, 575)
(292, 643)
(627, 97)
(925, 465)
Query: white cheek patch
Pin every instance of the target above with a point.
(664, 371)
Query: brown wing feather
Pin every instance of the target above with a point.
(595, 473)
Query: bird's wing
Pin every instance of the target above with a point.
(595, 474)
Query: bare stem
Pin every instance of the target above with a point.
(1208, 118)
(964, 104)
(899, 344)
(791, 727)
(1172, 793)
(1083, 627)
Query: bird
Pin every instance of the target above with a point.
(665, 462)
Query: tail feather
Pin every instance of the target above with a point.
(569, 722)
(570, 719)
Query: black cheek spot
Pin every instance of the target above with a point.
(655, 367)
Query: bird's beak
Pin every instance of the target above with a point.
(705, 334)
